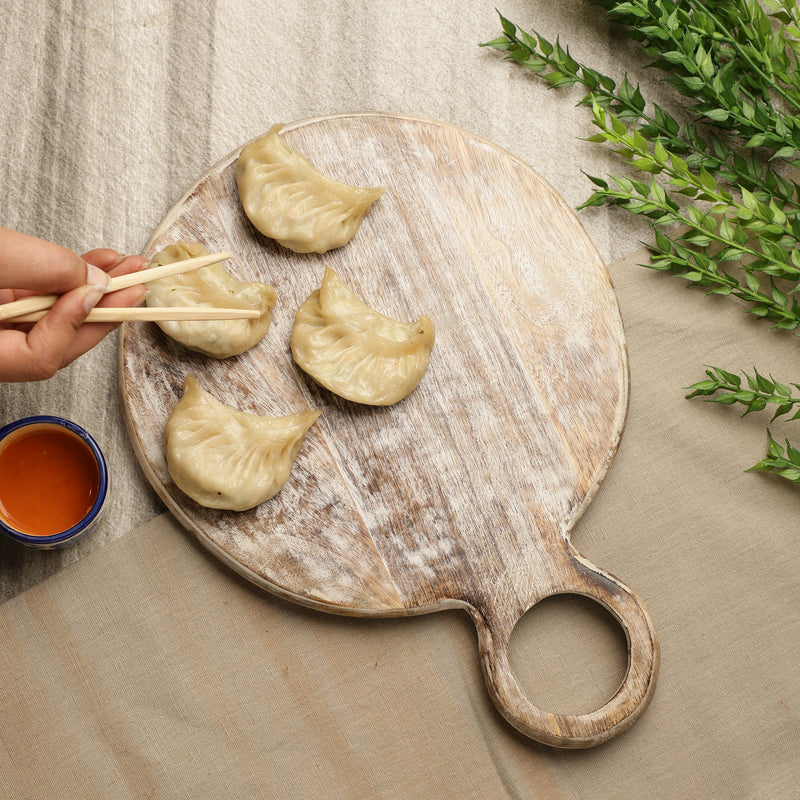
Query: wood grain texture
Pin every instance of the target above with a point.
(463, 494)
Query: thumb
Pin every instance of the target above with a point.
(50, 338)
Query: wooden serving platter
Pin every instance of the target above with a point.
(463, 494)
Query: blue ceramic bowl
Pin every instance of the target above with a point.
(82, 528)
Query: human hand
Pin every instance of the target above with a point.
(32, 352)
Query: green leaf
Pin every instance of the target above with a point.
(775, 450)
(788, 151)
(763, 384)
(756, 140)
(707, 180)
(597, 181)
(703, 387)
(729, 377)
(509, 28)
(749, 200)
(618, 126)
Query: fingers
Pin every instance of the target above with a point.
(91, 333)
(88, 335)
(123, 265)
(45, 348)
(62, 335)
(41, 266)
(105, 258)
(15, 358)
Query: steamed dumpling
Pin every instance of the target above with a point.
(229, 459)
(287, 199)
(210, 286)
(356, 352)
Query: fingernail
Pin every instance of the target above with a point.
(97, 279)
(92, 296)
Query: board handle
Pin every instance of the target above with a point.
(621, 710)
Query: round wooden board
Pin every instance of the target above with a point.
(463, 494)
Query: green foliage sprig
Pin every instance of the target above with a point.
(719, 187)
(758, 393)
(728, 57)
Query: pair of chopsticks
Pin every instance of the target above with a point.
(32, 309)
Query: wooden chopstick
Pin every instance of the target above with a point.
(154, 273)
(19, 309)
(156, 314)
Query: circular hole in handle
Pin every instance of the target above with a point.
(568, 654)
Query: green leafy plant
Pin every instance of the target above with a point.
(759, 392)
(717, 187)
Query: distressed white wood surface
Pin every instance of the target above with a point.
(463, 494)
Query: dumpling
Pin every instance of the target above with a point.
(229, 459)
(356, 352)
(289, 200)
(210, 286)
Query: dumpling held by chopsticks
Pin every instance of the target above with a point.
(210, 286)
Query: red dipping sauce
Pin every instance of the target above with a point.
(52, 476)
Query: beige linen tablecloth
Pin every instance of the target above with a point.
(142, 667)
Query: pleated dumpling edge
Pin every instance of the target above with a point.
(210, 286)
(355, 351)
(229, 459)
(289, 200)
